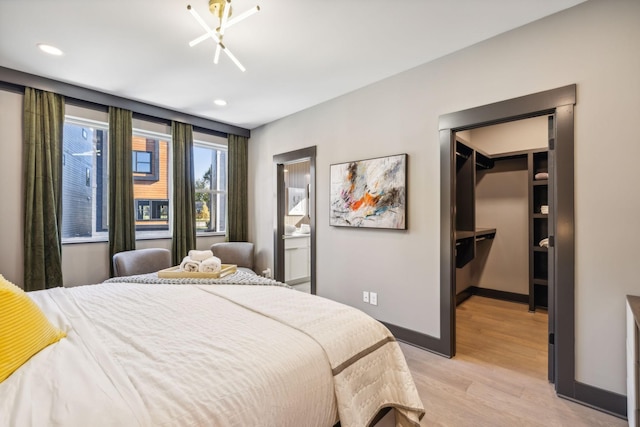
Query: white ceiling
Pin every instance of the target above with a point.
(298, 53)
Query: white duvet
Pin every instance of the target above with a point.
(176, 355)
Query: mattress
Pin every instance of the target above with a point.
(187, 355)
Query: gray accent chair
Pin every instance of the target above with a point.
(141, 261)
(239, 253)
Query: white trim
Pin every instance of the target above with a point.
(79, 121)
(214, 192)
(151, 134)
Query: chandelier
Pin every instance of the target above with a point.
(222, 10)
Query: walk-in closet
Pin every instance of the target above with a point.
(502, 228)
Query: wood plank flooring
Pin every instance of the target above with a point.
(499, 374)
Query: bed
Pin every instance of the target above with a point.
(239, 351)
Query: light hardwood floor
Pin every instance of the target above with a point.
(499, 374)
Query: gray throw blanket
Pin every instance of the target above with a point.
(238, 278)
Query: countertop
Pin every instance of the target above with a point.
(634, 303)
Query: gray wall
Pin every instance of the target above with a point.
(594, 45)
(502, 202)
(11, 187)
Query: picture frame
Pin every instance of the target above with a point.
(296, 201)
(370, 193)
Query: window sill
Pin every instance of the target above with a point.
(76, 240)
(152, 236)
(210, 233)
(79, 240)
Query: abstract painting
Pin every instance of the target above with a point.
(370, 193)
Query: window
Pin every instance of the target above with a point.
(150, 210)
(84, 180)
(210, 165)
(142, 162)
(146, 156)
(151, 183)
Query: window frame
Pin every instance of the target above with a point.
(136, 154)
(142, 234)
(97, 235)
(220, 147)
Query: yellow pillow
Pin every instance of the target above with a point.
(24, 329)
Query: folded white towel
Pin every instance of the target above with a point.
(200, 255)
(211, 265)
(190, 265)
(541, 175)
(544, 243)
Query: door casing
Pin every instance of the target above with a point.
(279, 160)
(559, 103)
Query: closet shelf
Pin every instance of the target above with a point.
(488, 233)
(539, 224)
(463, 234)
(483, 161)
(541, 282)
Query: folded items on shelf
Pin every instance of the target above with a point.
(541, 175)
(544, 209)
(544, 243)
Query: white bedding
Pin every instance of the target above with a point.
(176, 355)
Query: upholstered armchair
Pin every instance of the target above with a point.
(141, 261)
(239, 253)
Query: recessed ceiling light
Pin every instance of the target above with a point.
(220, 102)
(51, 50)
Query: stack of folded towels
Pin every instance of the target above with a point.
(201, 261)
(541, 175)
(544, 209)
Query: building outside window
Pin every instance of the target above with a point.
(210, 165)
(84, 180)
(151, 183)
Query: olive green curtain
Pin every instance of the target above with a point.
(43, 122)
(184, 192)
(237, 211)
(122, 227)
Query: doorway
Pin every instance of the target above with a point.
(294, 224)
(501, 268)
(558, 104)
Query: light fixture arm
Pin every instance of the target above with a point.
(223, 24)
(221, 9)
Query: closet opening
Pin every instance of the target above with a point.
(557, 105)
(502, 259)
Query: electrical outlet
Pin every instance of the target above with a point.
(365, 296)
(373, 298)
